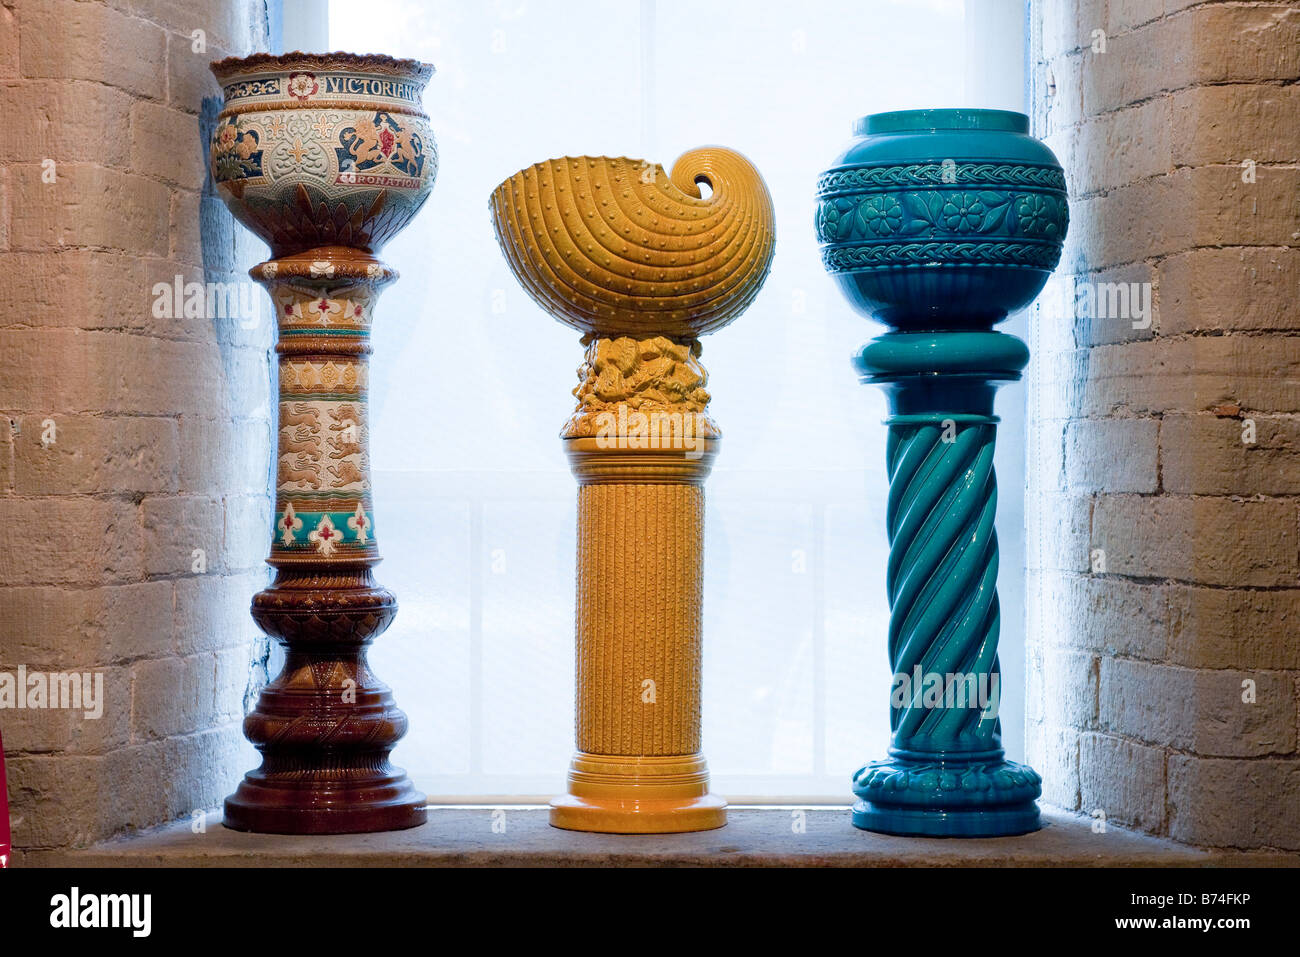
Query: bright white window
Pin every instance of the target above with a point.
(471, 384)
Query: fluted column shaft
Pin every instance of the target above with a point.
(640, 570)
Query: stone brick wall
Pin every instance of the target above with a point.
(127, 440)
(1163, 478)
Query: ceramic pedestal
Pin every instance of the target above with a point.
(643, 266)
(939, 223)
(325, 157)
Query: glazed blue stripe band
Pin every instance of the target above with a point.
(310, 520)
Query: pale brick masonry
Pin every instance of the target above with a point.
(127, 441)
(1163, 502)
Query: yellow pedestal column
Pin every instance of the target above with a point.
(640, 568)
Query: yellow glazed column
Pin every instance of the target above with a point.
(643, 265)
(640, 569)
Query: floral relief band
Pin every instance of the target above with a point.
(952, 213)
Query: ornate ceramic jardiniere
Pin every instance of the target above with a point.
(325, 157)
(939, 223)
(323, 150)
(643, 266)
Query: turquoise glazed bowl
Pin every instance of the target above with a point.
(942, 218)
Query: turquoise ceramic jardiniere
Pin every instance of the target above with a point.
(942, 216)
(938, 223)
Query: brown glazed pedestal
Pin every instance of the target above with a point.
(325, 157)
(643, 265)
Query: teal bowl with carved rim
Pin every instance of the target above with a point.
(942, 218)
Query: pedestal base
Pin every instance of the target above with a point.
(617, 794)
(911, 822)
(946, 795)
(272, 805)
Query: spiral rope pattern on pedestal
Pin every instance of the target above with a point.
(942, 575)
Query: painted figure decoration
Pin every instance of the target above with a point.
(325, 157)
(643, 265)
(939, 223)
(320, 150)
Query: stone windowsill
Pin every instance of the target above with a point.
(460, 836)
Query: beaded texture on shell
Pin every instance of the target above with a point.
(617, 247)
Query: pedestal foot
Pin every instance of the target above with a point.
(905, 822)
(984, 796)
(615, 794)
(269, 804)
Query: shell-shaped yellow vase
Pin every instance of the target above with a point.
(617, 247)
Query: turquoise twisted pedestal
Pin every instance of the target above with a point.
(939, 223)
(946, 774)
